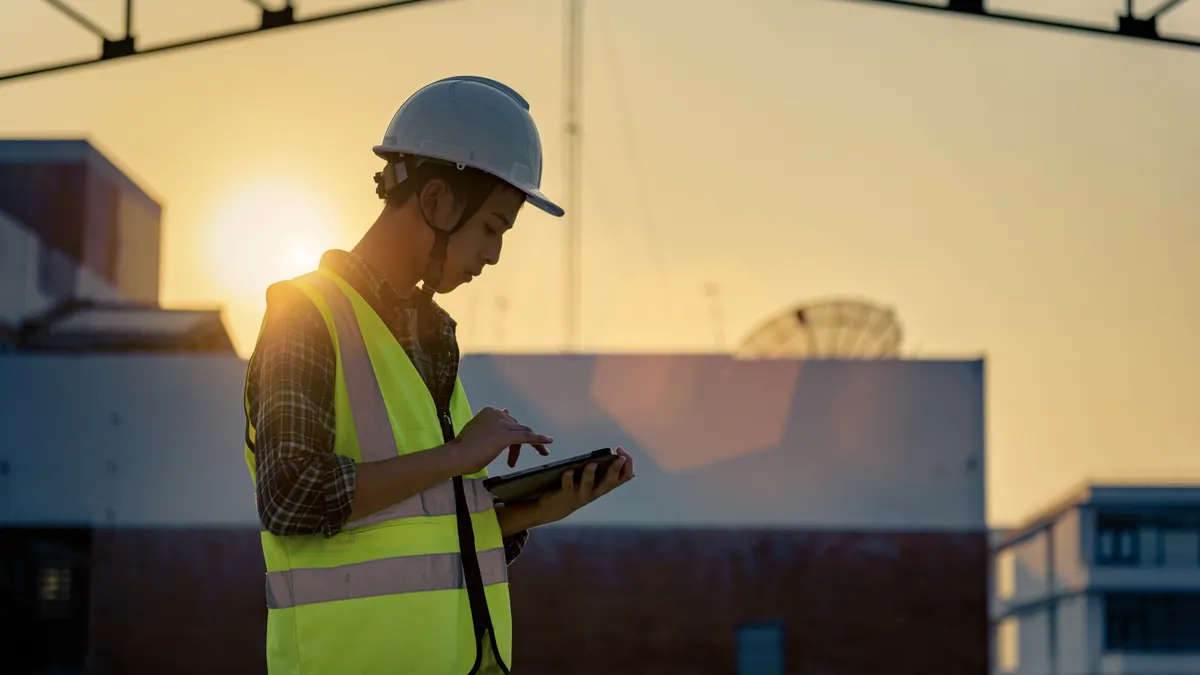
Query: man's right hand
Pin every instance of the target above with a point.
(488, 434)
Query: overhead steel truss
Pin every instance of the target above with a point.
(1130, 25)
(125, 46)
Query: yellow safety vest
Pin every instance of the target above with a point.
(390, 593)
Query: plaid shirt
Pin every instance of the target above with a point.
(303, 487)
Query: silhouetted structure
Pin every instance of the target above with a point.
(1105, 581)
(125, 45)
(834, 329)
(79, 258)
(1131, 24)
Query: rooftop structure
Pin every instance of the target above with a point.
(1105, 581)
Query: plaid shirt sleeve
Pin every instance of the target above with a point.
(303, 487)
(514, 545)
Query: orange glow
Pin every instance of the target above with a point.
(743, 406)
(266, 233)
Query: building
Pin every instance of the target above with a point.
(79, 258)
(1107, 582)
(87, 215)
(825, 516)
(788, 516)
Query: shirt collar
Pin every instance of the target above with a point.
(375, 287)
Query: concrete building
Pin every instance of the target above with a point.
(824, 517)
(788, 516)
(1106, 582)
(79, 258)
(89, 218)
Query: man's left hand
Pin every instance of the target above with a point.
(556, 505)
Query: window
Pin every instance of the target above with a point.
(1152, 622)
(1166, 537)
(1008, 646)
(1180, 546)
(1119, 541)
(47, 569)
(760, 649)
(54, 592)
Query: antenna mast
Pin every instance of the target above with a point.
(713, 292)
(501, 319)
(574, 75)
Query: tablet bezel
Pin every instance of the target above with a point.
(539, 479)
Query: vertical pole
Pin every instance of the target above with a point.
(501, 318)
(128, 19)
(573, 262)
(713, 292)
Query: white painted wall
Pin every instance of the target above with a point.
(1080, 648)
(1070, 566)
(1072, 635)
(157, 440)
(1034, 653)
(127, 441)
(723, 442)
(1022, 576)
(18, 270)
(1028, 564)
(20, 297)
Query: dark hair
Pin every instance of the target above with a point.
(469, 186)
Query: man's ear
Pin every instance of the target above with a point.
(430, 198)
(439, 205)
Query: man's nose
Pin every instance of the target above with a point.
(491, 256)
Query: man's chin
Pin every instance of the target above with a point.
(446, 286)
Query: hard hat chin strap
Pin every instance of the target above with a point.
(436, 267)
(391, 178)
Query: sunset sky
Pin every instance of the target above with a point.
(1020, 194)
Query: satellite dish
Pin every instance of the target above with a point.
(834, 329)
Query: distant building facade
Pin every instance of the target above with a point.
(79, 258)
(1105, 583)
(86, 211)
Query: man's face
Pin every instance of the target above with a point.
(478, 243)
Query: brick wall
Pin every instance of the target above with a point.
(641, 602)
(177, 601)
(592, 601)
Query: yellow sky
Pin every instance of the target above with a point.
(1020, 193)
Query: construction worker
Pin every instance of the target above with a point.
(384, 553)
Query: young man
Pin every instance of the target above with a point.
(384, 553)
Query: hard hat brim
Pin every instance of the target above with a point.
(534, 196)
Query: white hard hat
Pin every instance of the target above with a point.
(472, 122)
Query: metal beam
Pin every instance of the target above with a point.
(1129, 26)
(123, 48)
(78, 18)
(1166, 7)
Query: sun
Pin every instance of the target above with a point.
(266, 233)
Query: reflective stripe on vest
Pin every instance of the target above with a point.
(390, 576)
(435, 501)
(387, 576)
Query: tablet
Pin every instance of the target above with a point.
(529, 484)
